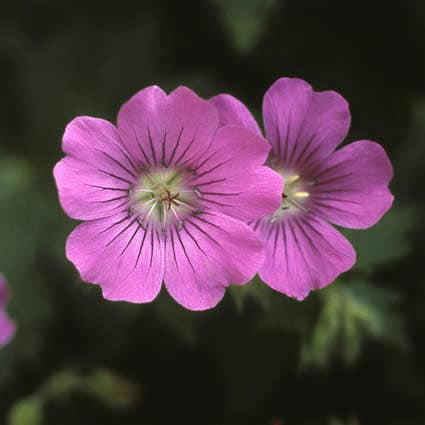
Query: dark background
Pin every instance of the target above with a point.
(352, 354)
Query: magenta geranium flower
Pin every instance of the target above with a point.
(347, 187)
(7, 326)
(165, 196)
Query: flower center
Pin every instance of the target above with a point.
(162, 196)
(294, 197)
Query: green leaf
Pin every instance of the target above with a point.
(410, 160)
(112, 389)
(22, 210)
(351, 313)
(28, 411)
(255, 290)
(245, 20)
(388, 240)
(183, 323)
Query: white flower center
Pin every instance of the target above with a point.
(162, 196)
(294, 197)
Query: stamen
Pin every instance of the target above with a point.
(142, 225)
(197, 192)
(162, 196)
(142, 190)
(298, 205)
(301, 194)
(175, 213)
(148, 202)
(292, 179)
(146, 172)
(151, 210)
(180, 202)
(164, 216)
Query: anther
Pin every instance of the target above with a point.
(142, 225)
(197, 192)
(292, 179)
(301, 194)
(198, 211)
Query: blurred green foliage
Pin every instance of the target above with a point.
(259, 355)
(104, 385)
(246, 20)
(353, 311)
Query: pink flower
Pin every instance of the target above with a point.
(347, 187)
(165, 196)
(7, 327)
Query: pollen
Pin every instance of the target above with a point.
(301, 194)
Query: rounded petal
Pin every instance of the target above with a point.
(246, 196)
(97, 143)
(166, 130)
(352, 187)
(303, 253)
(204, 257)
(232, 111)
(141, 124)
(7, 329)
(85, 193)
(231, 179)
(302, 125)
(120, 256)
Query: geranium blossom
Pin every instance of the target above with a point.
(347, 187)
(165, 195)
(7, 326)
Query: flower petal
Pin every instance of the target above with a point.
(7, 329)
(97, 143)
(85, 193)
(191, 124)
(120, 256)
(246, 196)
(204, 257)
(231, 178)
(165, 130)
(141, 124)
(303, 253)
(232, 111)
(352, 187)
(302, 125)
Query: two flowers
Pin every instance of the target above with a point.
(189, 192)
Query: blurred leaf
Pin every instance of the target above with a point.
(352, 312)
(112, 389)
(286, 314)
(103, 384)
(60, 384)
(255, 290)
(245, 20)
(15, 176)
(386, 241)
(410, 161)
(22, 214)
(27, 412)
(182, 322)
